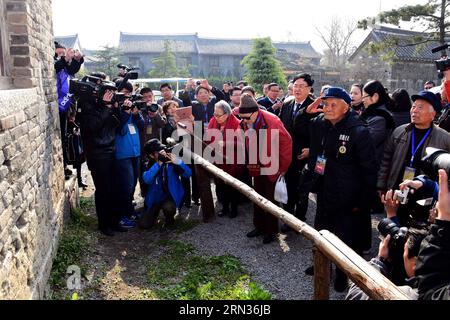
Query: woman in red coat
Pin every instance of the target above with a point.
(222, 134)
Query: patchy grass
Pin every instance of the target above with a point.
(74, 243)
(181, 274)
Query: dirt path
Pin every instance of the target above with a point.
(133, 265)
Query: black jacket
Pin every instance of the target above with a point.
(381, 124)
(298, 128)
(99, 130)
(351, 169)
(433, 263)
(198, 110)
(71, 68)
(266, 103)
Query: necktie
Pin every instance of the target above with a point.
(296, 108)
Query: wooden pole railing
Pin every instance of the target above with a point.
(328, 246)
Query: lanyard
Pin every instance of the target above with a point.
(205, 108)
(413, 148)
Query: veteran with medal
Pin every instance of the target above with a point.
(345, 170)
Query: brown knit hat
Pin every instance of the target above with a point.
(248, 104)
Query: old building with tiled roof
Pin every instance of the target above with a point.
(410, 66)
(208, 57)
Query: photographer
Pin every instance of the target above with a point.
(382, 263)
(100, 121)
(433, 263)
(153, 123)
(128, 152)
(67, 63)
(165, 188)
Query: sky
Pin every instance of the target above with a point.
(99, 22)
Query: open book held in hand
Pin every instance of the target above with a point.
(185, 121)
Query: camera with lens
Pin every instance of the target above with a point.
(442, 64)
(434, 160)
(154, 107)
(90, 88)
(130, 73)
(398, 236)
(136, 99)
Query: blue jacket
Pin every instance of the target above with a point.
(156, 193)
(128, 144)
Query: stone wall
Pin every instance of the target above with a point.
(32, 197)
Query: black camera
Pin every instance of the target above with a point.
(434, 160)
(136, 99)
(442, 64)
(398, 236)
(130, 73)
(90, 88)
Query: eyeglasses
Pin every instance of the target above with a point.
(301, 86)
(366, 96)
(218, 115)
(246, 118)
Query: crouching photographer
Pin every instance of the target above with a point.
(409, 241)
(165, 190)
(433, 263)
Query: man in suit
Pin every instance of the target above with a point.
(296, 120)
(271, 101)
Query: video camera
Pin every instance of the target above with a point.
(90, 88)
(442, 64)
(130, 73)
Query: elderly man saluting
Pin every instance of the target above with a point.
(344, 170)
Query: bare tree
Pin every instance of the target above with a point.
(338, 38)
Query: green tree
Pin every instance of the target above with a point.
(261, 65)
(166, 65)
(107, 59)
(433, 17)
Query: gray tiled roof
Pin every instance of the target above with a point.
(144, 43)
(68, 41)
(147, 43)
(404, 51)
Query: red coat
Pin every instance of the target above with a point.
(282, 143)
(232, 123)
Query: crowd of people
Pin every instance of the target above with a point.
(351, 149)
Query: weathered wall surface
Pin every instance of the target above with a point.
(32, 197)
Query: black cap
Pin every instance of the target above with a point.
(153, 145)
(430, 97)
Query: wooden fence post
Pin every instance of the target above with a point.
(321, 276)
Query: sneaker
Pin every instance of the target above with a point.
(127, 223)
(254, 233)
(68, 172)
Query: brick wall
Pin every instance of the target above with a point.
(32, 197)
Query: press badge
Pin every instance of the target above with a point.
(149, 130)
(409, 174)
(320, 165)
(132, 129)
